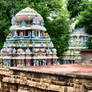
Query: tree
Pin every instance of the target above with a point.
(45, 8)
(59, 31)
(85, 19)
(89, 43)
(75, 6)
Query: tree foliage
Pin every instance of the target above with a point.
(85, 19)
(59, 31)
(57, 28)
(89, 43)
(75, 6)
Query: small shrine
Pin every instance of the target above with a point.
(77, 42)
(28, 43)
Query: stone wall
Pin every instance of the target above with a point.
(86, 57)
(21, 81)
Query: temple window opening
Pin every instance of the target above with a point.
(18, 33)
(26, 33)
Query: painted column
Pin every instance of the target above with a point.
(39, 34)
(21, 34)
(12, 44)
(14, 63)
(29, 33)
(28, 62)
(32, 33)
(24, 33)
(17, 62)
(34, 62)
(15, 34)
(43, 34)
(37, 63)
(48, 62)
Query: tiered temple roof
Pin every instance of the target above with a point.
(28, 43)
(77, 42)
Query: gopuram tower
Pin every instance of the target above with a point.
(28, 43)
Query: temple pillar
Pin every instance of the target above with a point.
(22, 62)
(21, 34)
(29, 33)
(43, 34)
(43, 62)
(8, 44)
(9, 61)
(37, 63)
(34, 63)
(32, 33)
(24, 33)
(15, 34)
(39, 34)
(27, 62)
(48, 62)
(17, 62)
(13, 63)
(53, 62)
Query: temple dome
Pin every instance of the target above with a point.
(27, 19)
(26, 15)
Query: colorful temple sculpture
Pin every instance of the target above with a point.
(77, 42)
(28, 44)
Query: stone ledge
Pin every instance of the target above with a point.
(73, 70)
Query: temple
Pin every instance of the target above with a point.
(28, 43)
(77, 42)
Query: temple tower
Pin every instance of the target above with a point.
(77, 42)
(28, 43)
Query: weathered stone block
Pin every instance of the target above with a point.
(70, 89)
(89, 90)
